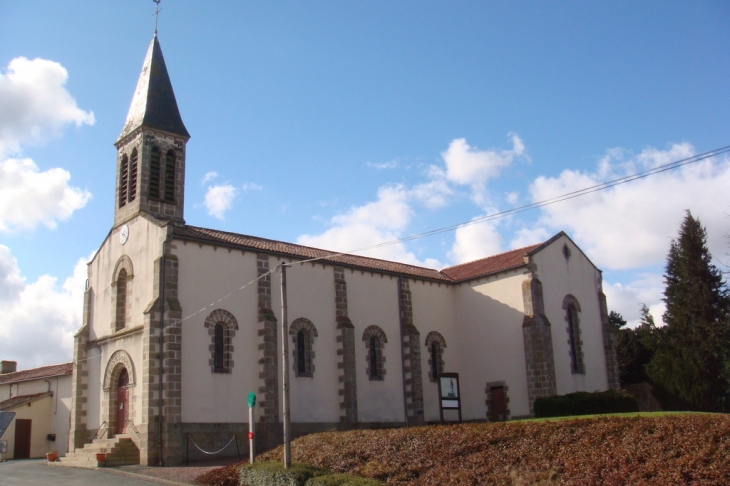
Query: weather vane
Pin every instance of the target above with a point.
(157, 13)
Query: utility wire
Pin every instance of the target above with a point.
(503, 214)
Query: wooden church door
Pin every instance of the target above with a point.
(122, 402)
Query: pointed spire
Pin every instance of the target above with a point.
(154, 105)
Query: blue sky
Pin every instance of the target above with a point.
(342, 125)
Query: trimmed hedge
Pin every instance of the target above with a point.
(342, 480)
(274, 474)
(584, 403)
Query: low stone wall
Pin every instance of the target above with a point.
(212, 437)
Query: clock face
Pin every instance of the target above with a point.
(124, 234)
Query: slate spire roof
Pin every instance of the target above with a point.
(154, 105)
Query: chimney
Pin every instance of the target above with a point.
(8, 367)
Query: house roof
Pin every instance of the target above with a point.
(486, 266)
(37, 373)
(458, 273)
(154, 104)
(22, 400)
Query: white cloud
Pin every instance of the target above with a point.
(630, 225)
(475, 241)
(467, 165)
(250, 186)
(371, 224)
(384, 165)
(209, 176)
(626, 299)
(29, 197)
(219, 199)
(40, 318)
(34, 104)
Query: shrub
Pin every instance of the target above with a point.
(274, 474)
(583, 403)
(341, 480)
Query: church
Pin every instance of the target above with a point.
(181, 323)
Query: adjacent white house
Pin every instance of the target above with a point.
(38, 403)
(182, 322)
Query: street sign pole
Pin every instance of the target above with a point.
(251, 443)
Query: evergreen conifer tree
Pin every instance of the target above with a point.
(693, 350)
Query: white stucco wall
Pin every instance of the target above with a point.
(143, 247)
(311, 291)
(206, 274)
(489, 318)
(434, 310)
(373, 300)
(577, 276)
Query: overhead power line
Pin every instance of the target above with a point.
(503, 214)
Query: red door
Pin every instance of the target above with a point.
(122, 402)
(499, 403)
(22, 439)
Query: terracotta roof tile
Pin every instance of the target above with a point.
(20, 400)
(489, 265)
(305, 252)
(37, 373)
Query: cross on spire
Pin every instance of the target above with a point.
(157, 13)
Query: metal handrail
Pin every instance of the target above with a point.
(128, 422)
(96, 435)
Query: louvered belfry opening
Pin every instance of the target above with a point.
(133, 176)
(154, 188)
(170, 176)
(123, 175)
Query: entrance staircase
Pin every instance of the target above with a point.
(120, 451)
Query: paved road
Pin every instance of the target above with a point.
(36, 472)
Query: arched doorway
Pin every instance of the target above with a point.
(122, 401)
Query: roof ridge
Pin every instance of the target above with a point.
(496, 255)
(329, 252)
(39, 367)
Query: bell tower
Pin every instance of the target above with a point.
(151, 148)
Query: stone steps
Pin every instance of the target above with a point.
(120, 451)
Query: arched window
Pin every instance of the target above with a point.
(121, 294)
(123, 175)
(170, 176)
(301, 353)
(218, 347)
(222, 327)
(154, 188)
(121, 291)
(572, 309)
(132, 176)
(303, 333)
(375, 340)
(436, 344)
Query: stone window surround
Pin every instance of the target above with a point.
(124, 263)
(230, 326)
(572, 309)
(310, 332)
(431, 338)
(380, 340)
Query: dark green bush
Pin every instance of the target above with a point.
(342, 480)
(274, 474)
(584, 403)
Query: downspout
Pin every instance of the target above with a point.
(402, 352)
(162, 326)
